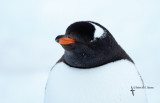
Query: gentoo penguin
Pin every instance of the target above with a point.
(93, 70)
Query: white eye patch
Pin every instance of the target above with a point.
(98, 32)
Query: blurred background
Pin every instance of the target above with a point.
(28, 49)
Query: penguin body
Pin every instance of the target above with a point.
(92, 70)
(108, 83)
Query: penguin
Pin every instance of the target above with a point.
(93, 69)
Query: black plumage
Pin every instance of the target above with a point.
(89, 52)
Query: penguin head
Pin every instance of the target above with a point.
(82, 50)
(81, 31)
(80, 34)
(76, 34)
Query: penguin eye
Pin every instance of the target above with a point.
(67, 35)
(70, 36)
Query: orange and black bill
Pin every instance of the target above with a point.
(64, 40)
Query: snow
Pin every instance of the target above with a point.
(22, 89)
(28, 50)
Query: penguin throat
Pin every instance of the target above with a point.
(91, 58)
(83, 59)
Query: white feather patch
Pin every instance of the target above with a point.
(110, 83)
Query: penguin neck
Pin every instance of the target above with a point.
(90, 56)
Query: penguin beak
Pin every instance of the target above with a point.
(64, 40)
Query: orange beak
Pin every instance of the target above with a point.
(64, 40)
